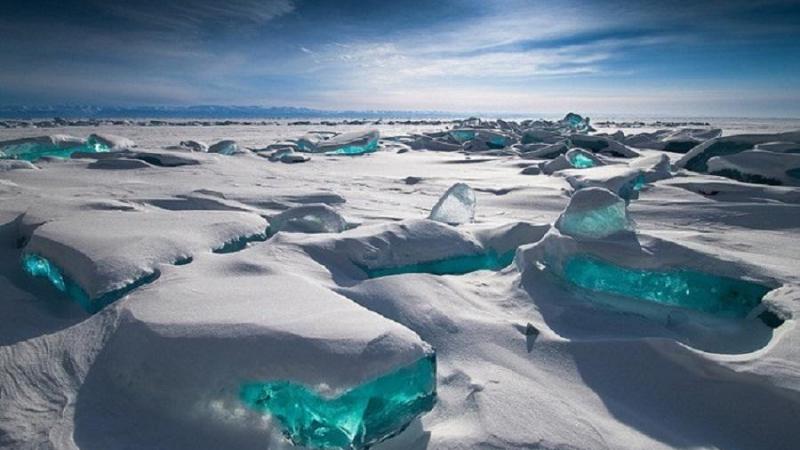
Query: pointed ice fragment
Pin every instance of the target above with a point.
(594, 213)
(456, 206)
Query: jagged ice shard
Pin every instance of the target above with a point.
(456, 206)
(721, 296)
(594, 213)
(358, 418)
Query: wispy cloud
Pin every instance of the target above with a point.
(505, 55)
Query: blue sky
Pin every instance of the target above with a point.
(699, 58)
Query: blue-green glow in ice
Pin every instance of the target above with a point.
(361, 417)
(458, 265)
(721, 296)
(463, 135)
(580, 161)
(794, 173)
(352, 150)
(38, 266)
(33, 151)
(497, 142)
(595, 223)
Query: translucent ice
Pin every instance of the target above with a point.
(594, 213)
(39, 266)
(58, 146)
(225, 147)
(458, 265)
(456, 206)
(576, 122)
(581, 159)
(463, 135)
(356, 143)
(722, 296)
(315, 218)
(358, 418)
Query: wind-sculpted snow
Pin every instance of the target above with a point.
(697, 159)
(758, 166)
(678, 141)
(304, 305)
(100, 253)
(623, 180)
(456, 206)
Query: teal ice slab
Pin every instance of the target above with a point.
(353, 150)
(40, 267)
(717, 295)
(462, 135)
(458, 265)
(793, 173)
(356, 419)
(34, 151)
(581, 161)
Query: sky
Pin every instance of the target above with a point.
(682, 58)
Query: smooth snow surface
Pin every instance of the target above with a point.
(167, 295)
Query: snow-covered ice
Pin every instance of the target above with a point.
(467, 284)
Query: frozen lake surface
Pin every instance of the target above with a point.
(162, 298)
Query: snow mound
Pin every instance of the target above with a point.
(101, 252)
(696, 160)
(313, 218)
(622, 180)
(225, 147)
(758, 166)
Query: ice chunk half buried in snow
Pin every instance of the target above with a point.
(594, 213)
(456, 206)
(355, 143)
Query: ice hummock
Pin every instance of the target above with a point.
(313, 218)
(356, 419)
(594, 213)
(352, 143)
(57, 146)
(456, 206)
(758, 166)
(225, 147)
(696, 160)
(40, 267)
(720, 296)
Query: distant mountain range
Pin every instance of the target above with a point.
(200, 112)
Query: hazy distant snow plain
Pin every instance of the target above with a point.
(159, 369)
